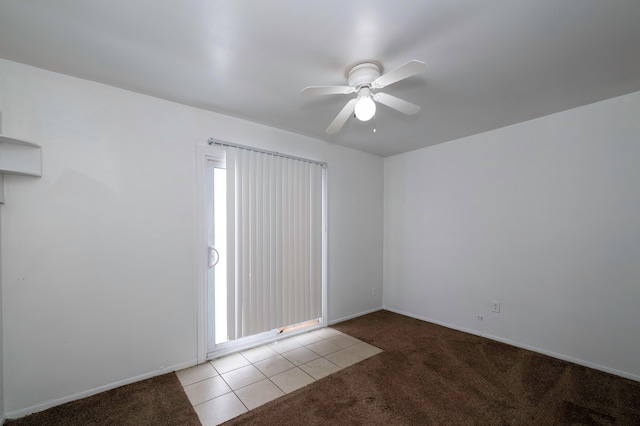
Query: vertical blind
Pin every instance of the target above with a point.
(275, 255)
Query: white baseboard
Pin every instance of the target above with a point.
(552, 354)
(335, 321)
(59, 401)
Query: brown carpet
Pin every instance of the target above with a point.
(431, 375)
(157, 401)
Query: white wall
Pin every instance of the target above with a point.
(98, 254)
(543, 216)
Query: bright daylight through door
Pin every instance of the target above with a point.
(220, 242)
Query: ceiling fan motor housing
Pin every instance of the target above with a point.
(363, 74)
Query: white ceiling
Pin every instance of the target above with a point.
(490, 63)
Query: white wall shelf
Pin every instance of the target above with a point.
(18, 157)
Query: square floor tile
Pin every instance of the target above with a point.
(284, 345)
(365, 350)
(343, 358)
(206, 390)
(300, 355)
(243, 376)
(327, 332)
(229, 362)
(258, 354)
(196, 373)
(344, 341)
(307, 338)
(291, 380)
(323, 347)
(259, 393)
(274, 365)
(220, 409)
(319, 368)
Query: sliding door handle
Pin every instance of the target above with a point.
(213, 262)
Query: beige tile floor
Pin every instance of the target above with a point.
(227, 387)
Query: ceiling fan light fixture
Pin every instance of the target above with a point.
(365, 106)
(362, 79)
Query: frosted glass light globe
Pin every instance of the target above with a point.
(365, 108)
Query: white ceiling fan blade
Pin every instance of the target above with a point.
(342, 117)
(406, 70)
(327, 90)
(396, 103)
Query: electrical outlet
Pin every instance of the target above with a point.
(495, 306)
(373, 291)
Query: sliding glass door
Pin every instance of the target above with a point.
(266, 234)
(216, 229)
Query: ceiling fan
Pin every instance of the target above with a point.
(363, 79)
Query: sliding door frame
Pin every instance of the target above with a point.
(204, 155)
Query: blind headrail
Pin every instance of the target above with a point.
(213, 141)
